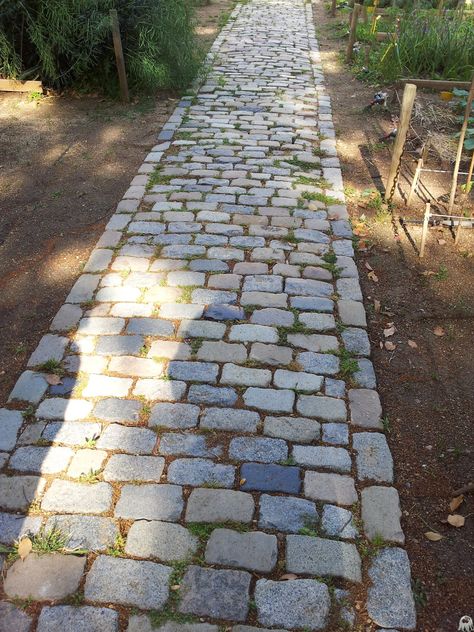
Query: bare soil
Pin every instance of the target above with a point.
(64, 165)
(427, 391)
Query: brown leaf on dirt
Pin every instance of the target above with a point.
(289, 576)
(373, 277)
(456, 520)
(368, 266)
(428, 273)
(53, 379)
(441, 242)
(243, 480)
(412, 344)
(389, 331)
(456, 503)
(438, 331)
(377, 306)
(24, 548)
(390, 346)
(432, 536)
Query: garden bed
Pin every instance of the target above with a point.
(426, 389)
(66, 162)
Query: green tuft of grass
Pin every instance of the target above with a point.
(51, 366)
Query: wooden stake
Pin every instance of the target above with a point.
(418, 169)
(424, 230)
(467, 113)
(469, 175)
(119, 58)
(333, 8)
(409, 95)
(352, 34)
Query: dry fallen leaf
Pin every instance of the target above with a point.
(428, 273)
(243, 480)
(441, 242)
(368, 266)
(24, 548)
(390, 346)
(412, 344)
(373, 277)
(438, 331)
(433, 536)
(377, 305)
(456, 503)
(53, 379)
(456, 520)
(289, 576)
(389, 331)
(175, 587)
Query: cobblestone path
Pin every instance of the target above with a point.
(214, 452)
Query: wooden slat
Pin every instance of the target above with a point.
(435, 84)
(13, 85)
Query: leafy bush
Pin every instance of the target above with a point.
(66, 42)
(429, 45)
(460, 105)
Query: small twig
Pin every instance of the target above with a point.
(464, 490)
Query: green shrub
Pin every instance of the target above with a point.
(69, 42)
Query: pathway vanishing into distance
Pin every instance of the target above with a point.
(214, 454)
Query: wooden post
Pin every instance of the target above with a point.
(469, 175)
(416, 177)
(457, 233)
(365, 15)
(333, 8)
(409, 95)
(467, 113)
(424, 230)
(119, 58)
(352, 34)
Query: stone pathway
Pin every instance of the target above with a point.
(214, 453)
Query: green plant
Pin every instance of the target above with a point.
(118, 548)
(91, 477)
(48, 541)
(442, 273)
(51, 366)
(348, 365)
(310, 196)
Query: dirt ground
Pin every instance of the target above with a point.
(64, 165)
(426, 380)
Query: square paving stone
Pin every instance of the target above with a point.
(336, 488)
(381, 514)
(150, 502)
(293, 604)
(286, 514)
(78, 619)
(270, 478)
(77, 497)
(390, 600)
(317, 556)
(374, 460)
(220, 594)
(197, 472)
(135, 583)
(253, 551)
(337, 434)
(219, 505)
(319, 363)
(124, 467)
(298, 429)
(18, 492)
(49, 460)
(337, 459)
(41, 577)
(232, 419)
(85, 532)
(275, 401)
(160, 540)
(258, 449)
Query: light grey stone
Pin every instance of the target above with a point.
(297, 380)
(10, 424)
(135, 583)
(187, 444)
(271, 354)
(272, 316)
(337, 434)
(219, 505)
(253, 551)
(381, 514)
(232, 419)
(326, 408)
(193, 371)
(14, 526)
(374, 460)
(41, 577)
(319, 363)
(336, 459)
(390, 600)
(125, 467)
(198, 472)
(243, 376)
(163, 390)
(50, 347)
(220, 594)
(276, 401)
(160, 540)
(253, 333)
(40, 460)
(78, 619)
(212, 395)
(258, 449)
(337, 521)
(174, 415)
(222, 352)
(337, 488)
(30, 387)
(317, 556)
(298, 429)
(293, 604)
(120, 410)
(287, 514)
(74, 497)
(356, 341)
(18, 492)
(85, 532)
(150, 502)
(352, 313)
(125, 439)
(308, 287)
(365, 408)
(13, 619)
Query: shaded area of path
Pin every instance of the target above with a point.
(215, 449)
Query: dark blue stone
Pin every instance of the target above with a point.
(64, 388)
(224, 312)
(270, 478)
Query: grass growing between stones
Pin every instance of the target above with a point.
(118, 549)
(91, 477)
(51, 366)
(156, 178)
(186, 293)
(203, 530)
(310, 196)
(348, 364)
